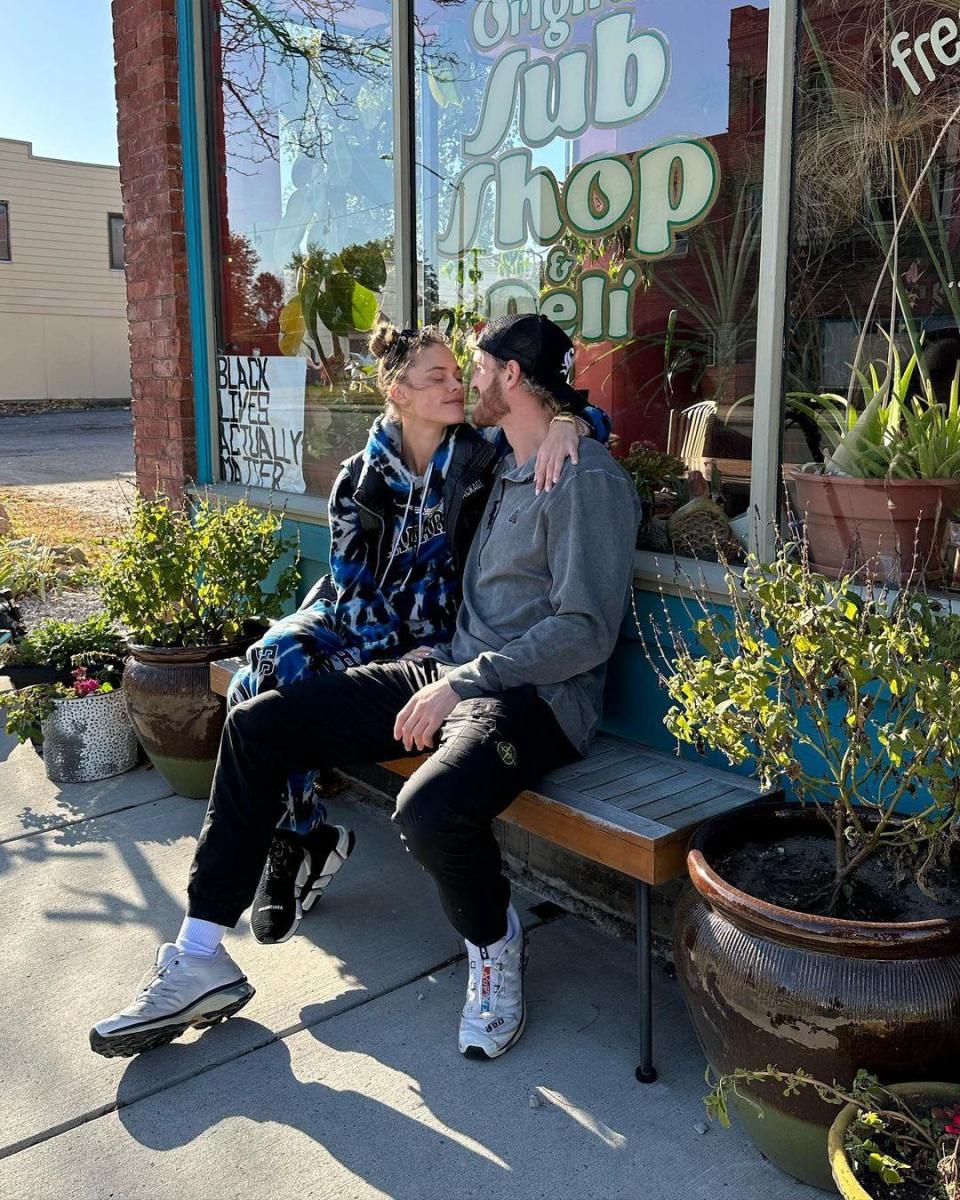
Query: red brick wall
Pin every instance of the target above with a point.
(151, 179)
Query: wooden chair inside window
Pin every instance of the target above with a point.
(688, 431)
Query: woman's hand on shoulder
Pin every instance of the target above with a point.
(562, 442)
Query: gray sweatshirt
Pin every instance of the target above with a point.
(545, 588)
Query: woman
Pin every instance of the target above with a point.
(402, 516)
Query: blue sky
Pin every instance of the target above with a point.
(56, 86)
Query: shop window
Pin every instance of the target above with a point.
(864, 136)
(538, 138)
(4, 231)
(300, 128)
(115, 240)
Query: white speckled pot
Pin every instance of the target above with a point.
(87, 739)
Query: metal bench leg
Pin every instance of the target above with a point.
(645, 1072)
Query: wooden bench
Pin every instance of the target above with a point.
(623, 806)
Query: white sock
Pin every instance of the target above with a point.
(513, 928)
(200, 938)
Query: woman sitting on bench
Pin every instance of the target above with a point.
(403, 513)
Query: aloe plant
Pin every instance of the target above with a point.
(895, 433)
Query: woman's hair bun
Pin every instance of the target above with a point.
(383, 339)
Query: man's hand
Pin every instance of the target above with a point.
(562, 442)
(417, 655)
(423, 714)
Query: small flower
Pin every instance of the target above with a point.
(85, 687)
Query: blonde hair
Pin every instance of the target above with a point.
(395, 349)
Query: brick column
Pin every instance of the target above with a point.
(151, 179)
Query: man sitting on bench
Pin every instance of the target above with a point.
(517, 695)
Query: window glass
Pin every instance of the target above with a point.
(4, 231)
(115, 238)
(875, 249)
(602, 163)
(303, 152)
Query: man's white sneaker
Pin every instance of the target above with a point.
(182, 990)
(495, 1014)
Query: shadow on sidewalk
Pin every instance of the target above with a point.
(382, 1145)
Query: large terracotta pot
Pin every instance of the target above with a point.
(886, 525)
(177, 717)
(766, 985)
(922, 1095)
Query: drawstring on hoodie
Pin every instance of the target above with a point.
(396, 540)
(423, 502)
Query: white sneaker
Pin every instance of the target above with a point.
(181, 990)
(495, 1014)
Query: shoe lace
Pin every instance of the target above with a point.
(282, 858)
(483, 982)
(156, 982)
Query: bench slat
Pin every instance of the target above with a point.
(682, 800)
(690, 818)
(612, 774)
(628, 784)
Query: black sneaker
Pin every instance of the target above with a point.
(298, 869)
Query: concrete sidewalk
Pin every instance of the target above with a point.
(341, 1079)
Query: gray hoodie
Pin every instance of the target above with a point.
(545, 588)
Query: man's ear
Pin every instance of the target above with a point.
(512, 369)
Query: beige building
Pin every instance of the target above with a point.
(63, 322)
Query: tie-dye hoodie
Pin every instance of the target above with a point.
(408, 595)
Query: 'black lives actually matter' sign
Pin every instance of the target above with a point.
(260, 405)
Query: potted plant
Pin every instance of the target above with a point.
(653, 473)
(45, 654)
(826, 930)
(83, 726)
(191, 587)
(888, 1143)
(882, 500)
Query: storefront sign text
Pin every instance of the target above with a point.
(941, 40)
(619, 77)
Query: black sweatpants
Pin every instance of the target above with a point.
(489, 750)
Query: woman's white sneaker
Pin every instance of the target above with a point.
(495, 1014)
(182, 990)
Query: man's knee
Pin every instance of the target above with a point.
(427, 815)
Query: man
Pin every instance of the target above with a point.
(517, 694)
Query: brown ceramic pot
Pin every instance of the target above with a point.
(884, 525)
(177, 717)
(766, 985)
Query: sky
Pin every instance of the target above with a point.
(56, 85)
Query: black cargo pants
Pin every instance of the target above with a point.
(489, 750)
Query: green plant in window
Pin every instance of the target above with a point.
(892, 432)
(178, 578)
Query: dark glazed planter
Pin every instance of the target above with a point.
(177, 717)
(766, 985)
(852, 523)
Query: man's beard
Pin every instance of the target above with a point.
(491, 407)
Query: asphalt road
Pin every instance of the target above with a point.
(66, 447)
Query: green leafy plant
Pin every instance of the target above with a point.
(177, 578)
(852, 697)
(338, 294)
(889, 1141)
(25, 710)
(893, 433)
(653, 471)
(27, 567)
(55, 643)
